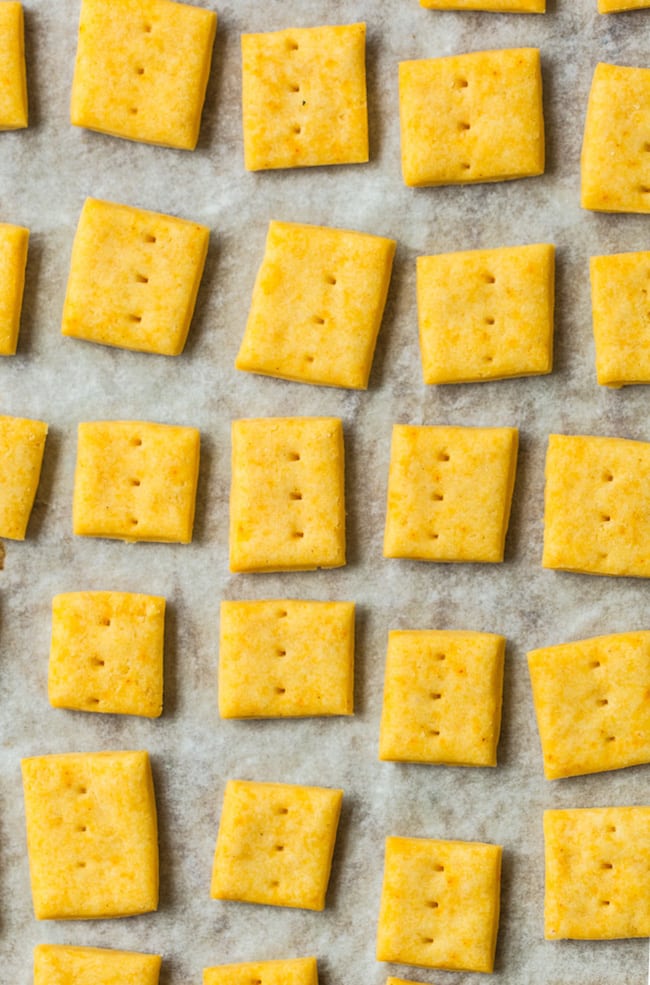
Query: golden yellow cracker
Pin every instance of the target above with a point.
(13, 77)
(13, 258)
(106, 653)
(440, 904)
(591, 702)
(91, 834)
(496, 6)
(142, 69)
(286, 658)
(449, 492)
(597, 505)
(289, 971)
(597, 878)
(317, 305)
(468, 118)
(134, 277)
(486, 314)
(275, 844)
(22, 442)
(287, 502)
(442, 697)
(400, 981)
(136, 481)
(304, 97)
(615, 162)
(61, 964)
(621, 318)
(614, 6)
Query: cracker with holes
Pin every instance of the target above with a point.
(449, 492)
(61, 964)
(620, 288)
(13, 258)
(106, 653)
(304, 97)
(597, 505)
(275, 844)
(442, 697)
(142, 70)
(134, 278)
(440, 904)
(13, 84)
(615, 164)
(469, 118)
(287, 502)
(135, 480)
(91, 834)
(22, 442)
(486, 314)
(288, 971)
(317, 305)
(286, 659)
(597, 876)
(591, 702)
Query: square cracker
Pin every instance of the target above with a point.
(304, 97)
(442, 697)
(591, 702)
(597, 505)
(61, 964)
(142, 69)
(106, 653)
(92, 834)
(468, 118)
(614, 6)
(289, 971)
(134, 277)
(449, 492)
(486, 314)
(287, 502)
(136, 481)
(440, 904)
(13, 77)
(13, 258)
(615, 163)
(317, 305)
(275, 844)
(496, 6)
(286, 658)
(619, 302)
(597, 876)
(22, 443)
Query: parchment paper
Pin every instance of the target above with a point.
(45, 174)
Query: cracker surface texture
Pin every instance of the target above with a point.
(597, 505)
(91, 835)
(106, 653)
(449, 492)
(142, 69)
(619, 304)
(288, 971)
(442, 697)
(287, 500)
(136, 481)
(134, 277)
(22, 442)
(486, 314)
(13, 76)
(275, 844)
(469, 118)
(597, 878)
(614, 164)
(60, 964)
(304, 97)
(286, 658)
(317, 305)
(440, 904)
(13, 258)
(614, 6)
(495, 6)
